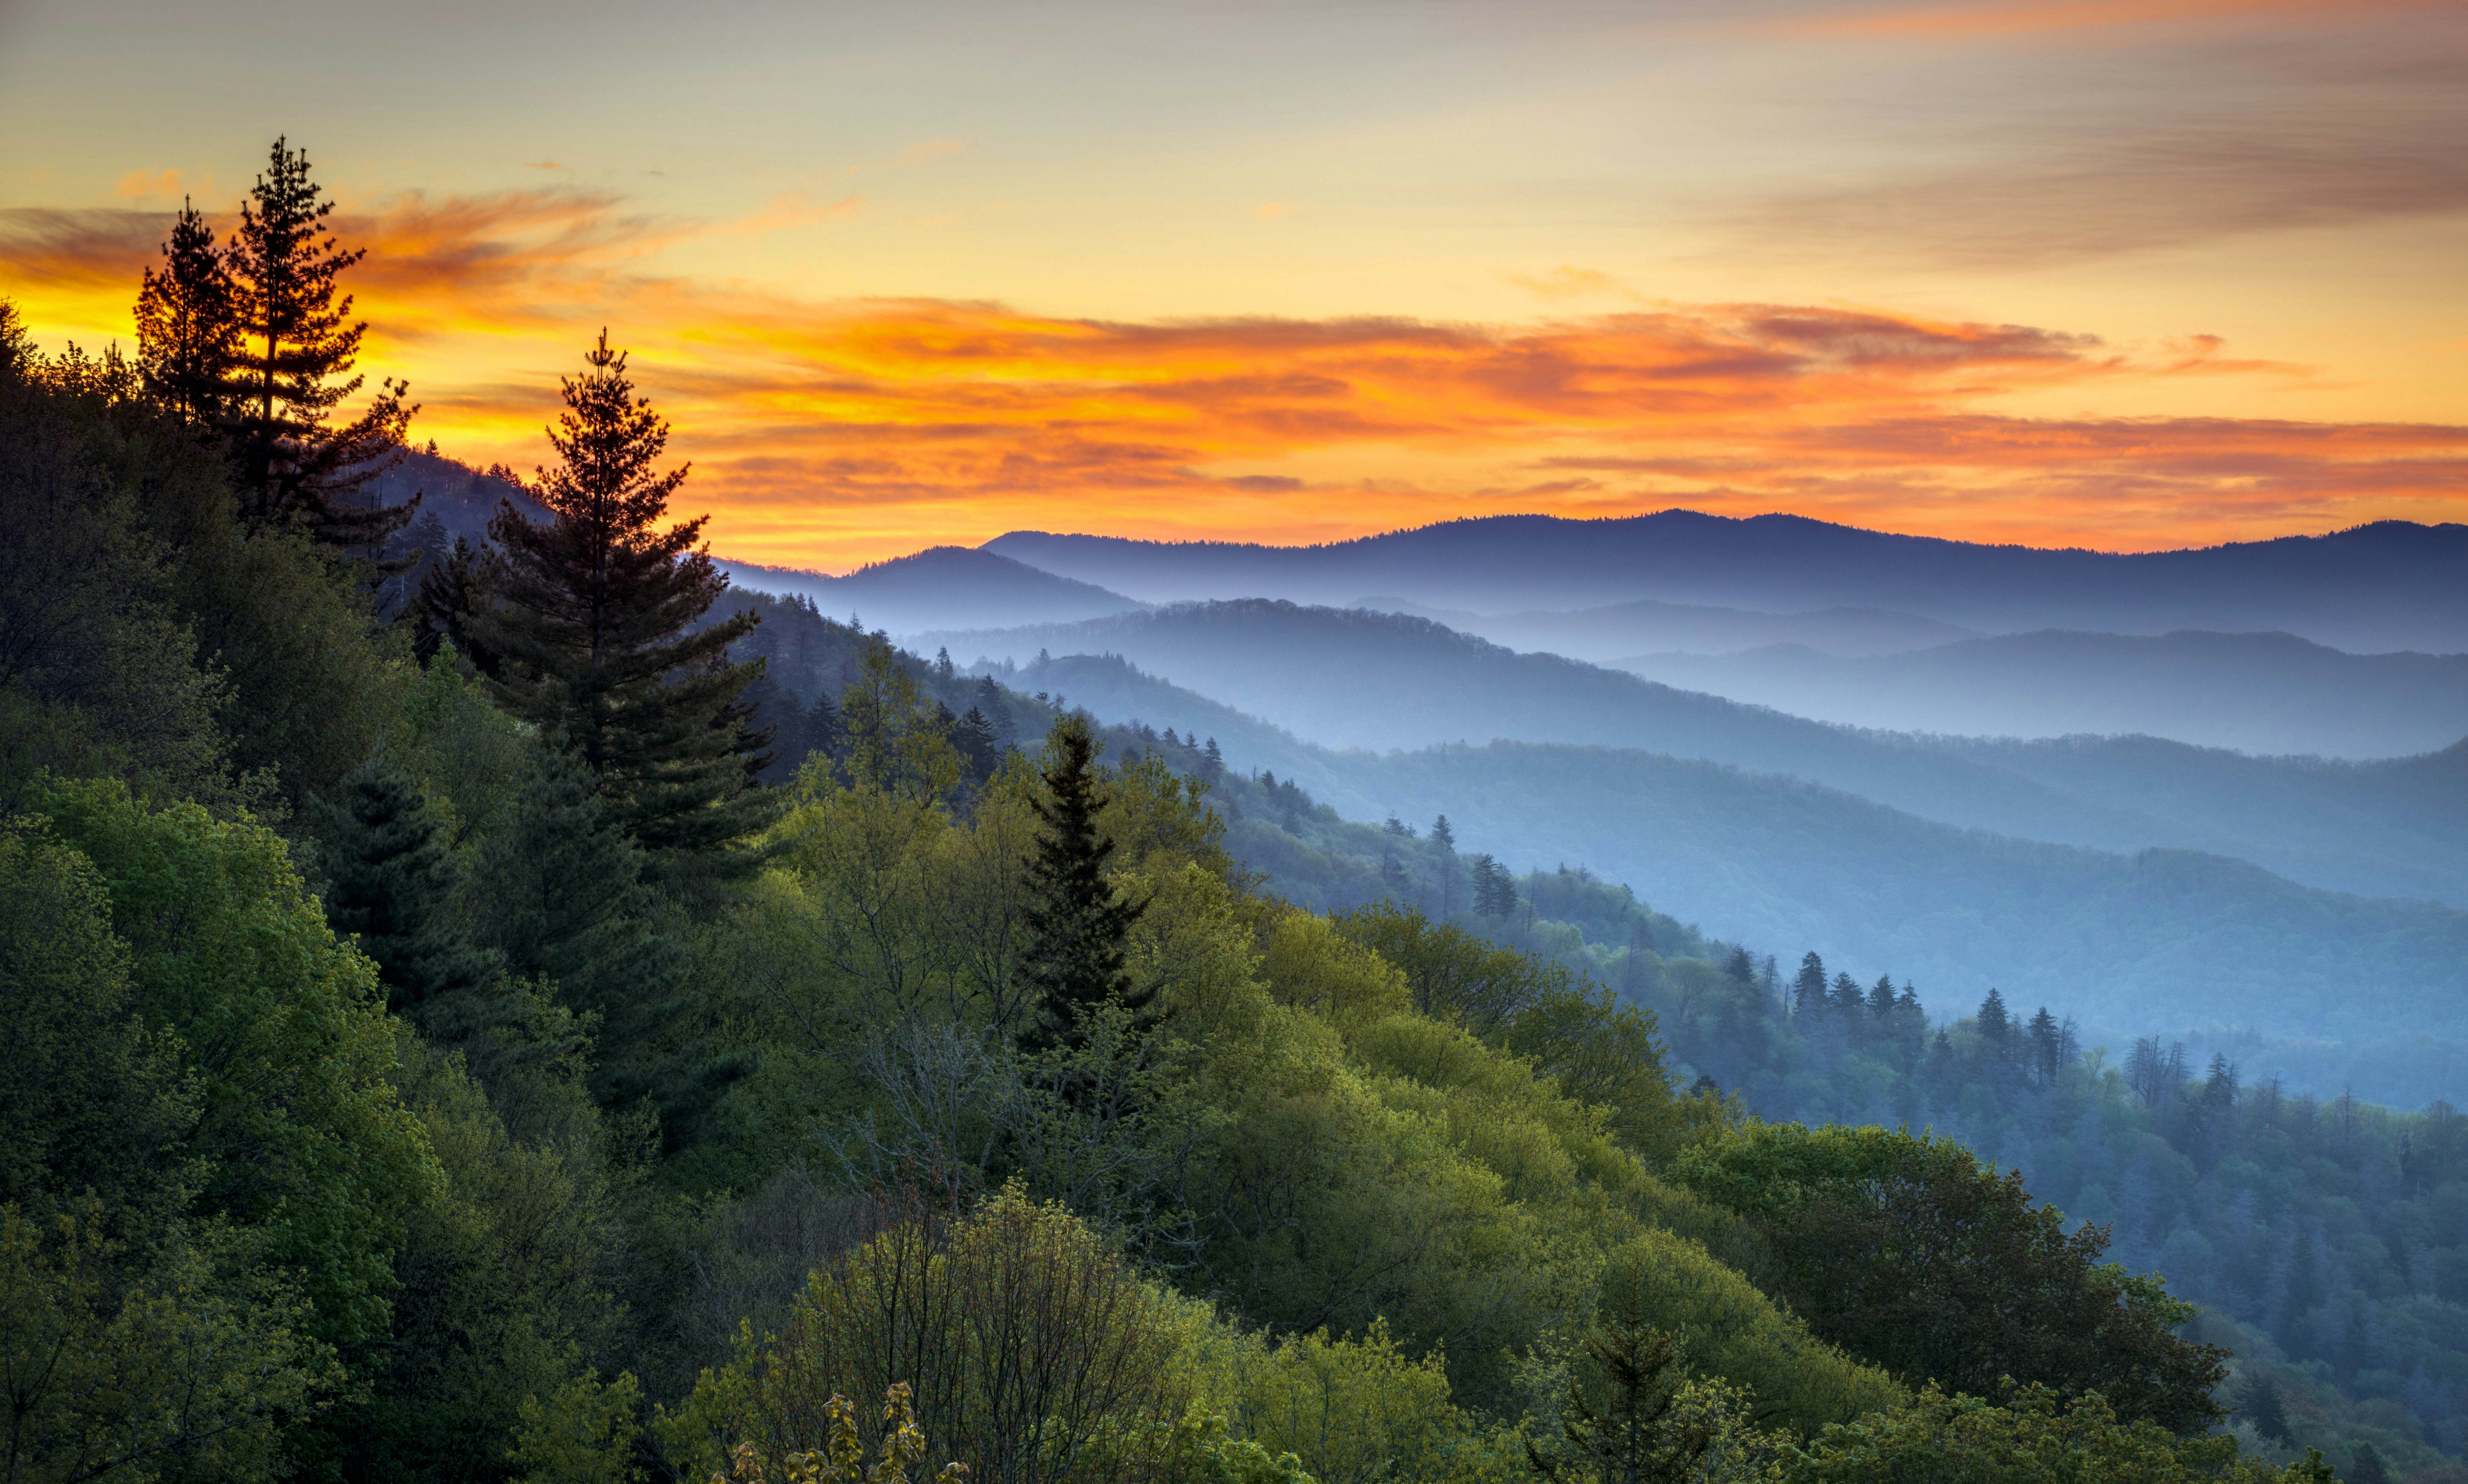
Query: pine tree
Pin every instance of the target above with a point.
(974, 735)
(1632, 1438)
(1077, 924)
(990, 704)
(593, 614)
(2265, 1410)
(2369, 1467)
(448, 605)
(2046, 1047)
(1996, 1027)
(188, 325)
(397, 888)
(824, 730)
(295, 355)
(1440, 834)
(1212, 762)
(1880, 999)
(560, 889)
(1808, 989)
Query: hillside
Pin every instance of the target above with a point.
(2124, 941)
(1606, 634)
(2392, 585)
(2261, 693)
(939, 587)
(1348, 679)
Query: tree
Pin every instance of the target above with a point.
(396, 889)
(1631, 1437)
(593, 615)
(188, 327)
(1808, 989)
(1077, 923)
(1910, 1252)
(2263, 1407)
(293, 369)
(2368, 1467)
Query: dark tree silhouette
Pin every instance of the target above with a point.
(1630, 1437)
(296, 349)
(188, 327)
(591, 617)
(1077, 923)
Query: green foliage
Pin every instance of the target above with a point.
(184, 1364)
(1077, 922)
(301, 1136)
(395, 889)
(1637, 1433)
(2036, 1436)
(1906, 1250)
(583, 1434)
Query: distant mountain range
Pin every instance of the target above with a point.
(939, 587)
(2125, 940)
(1348, 679)
(2388, 587)
(2261, 693)
(1612, 632)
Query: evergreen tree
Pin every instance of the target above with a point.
(1996, 1027)
(593, 614)
(2264, 1410)
(2045, 1045)
(561, 891)
(1808, 989)
(1440, 834)
(824, 729)
(1212, 762)
(1880, 999)
(2369, 1467)
(973, 734)
(1630, 1437)
(188, 327)
(448, 605)
(1077, 924)
(990, 704)
(397, 888)
(296, 349)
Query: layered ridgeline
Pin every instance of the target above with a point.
(1352, 679)
(2389, 586)
(2261, 693)
(2128, 942)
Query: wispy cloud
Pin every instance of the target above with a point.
(835, 432)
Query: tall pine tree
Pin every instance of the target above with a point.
(397, 888)
(592, 617)
(188, 327)
(1077, 923)
(296, 349)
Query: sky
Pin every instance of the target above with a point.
(2126, 274)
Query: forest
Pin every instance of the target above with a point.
(513, 1009)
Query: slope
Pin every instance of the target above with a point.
(2124, 941)
(2392, 585)
(1349, 678)
(939, 587)
(2263, 693)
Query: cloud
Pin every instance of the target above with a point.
(2002, 18)
(828, 432)
(148, 184)
(796, 209)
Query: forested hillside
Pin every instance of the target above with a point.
(572, 1024)
(1352, 678)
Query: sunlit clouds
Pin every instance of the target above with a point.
(829, 433)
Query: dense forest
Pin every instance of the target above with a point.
(513, 1009)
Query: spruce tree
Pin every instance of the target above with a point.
(445, 606)
(188, 327)
(1808, 989)
(296, 349)
(1631, 1436)
(397, 888)
(2264, 1410)
(2369, 1467)
(561, 890)
(1077, 923)
(592, 616)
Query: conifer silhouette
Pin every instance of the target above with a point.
(1077, 923)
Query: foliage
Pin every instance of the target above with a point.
(395, 889)
(1907, 1252)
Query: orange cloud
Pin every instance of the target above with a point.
(2041, 18)
(828, 434)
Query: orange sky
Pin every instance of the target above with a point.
(2180, 379)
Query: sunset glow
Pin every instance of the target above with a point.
(2101, 387)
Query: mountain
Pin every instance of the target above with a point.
(460, 497)
(2390, 585)
(939, 587)
(2262, 693)
(1355, 679)
(1605, 635)
(2126, 941)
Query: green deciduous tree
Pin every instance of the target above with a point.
(592, 618)
(1909, 1251)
